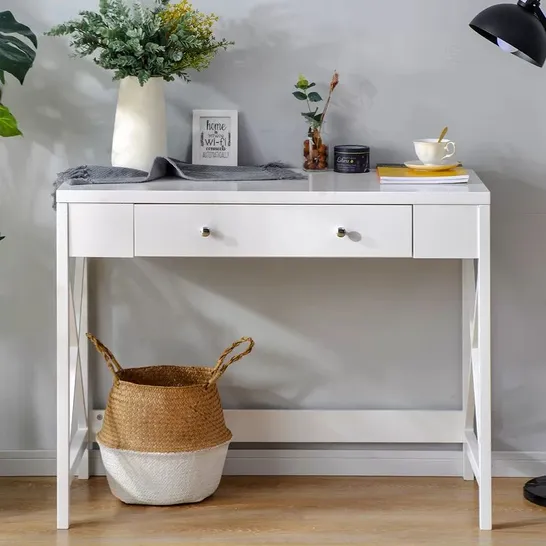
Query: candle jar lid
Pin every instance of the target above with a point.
(352, 149)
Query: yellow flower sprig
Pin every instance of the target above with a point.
(183, 17)
(199, 24)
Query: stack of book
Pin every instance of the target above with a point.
(394, 174)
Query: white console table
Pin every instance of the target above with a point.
(327, 216)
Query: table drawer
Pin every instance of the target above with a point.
(445, 231)
(273, 230)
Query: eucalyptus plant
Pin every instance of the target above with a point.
(313, 117)
(18, 46)
(163, 40)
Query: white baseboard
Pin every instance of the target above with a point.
(306, 462)
(27, 463)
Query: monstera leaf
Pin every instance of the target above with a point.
(16, 55)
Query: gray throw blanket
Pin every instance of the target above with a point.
(166, 167)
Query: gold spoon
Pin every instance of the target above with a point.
(444, 133)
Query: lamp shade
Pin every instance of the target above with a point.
(515, 29)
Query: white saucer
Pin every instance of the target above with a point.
(420, 166)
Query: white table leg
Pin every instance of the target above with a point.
(82, 327)
(468, 306)
(483, 368)
(63, 370)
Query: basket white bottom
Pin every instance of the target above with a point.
(163, 478)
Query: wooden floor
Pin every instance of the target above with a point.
(258, 510)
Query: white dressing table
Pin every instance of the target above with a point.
(328, 216)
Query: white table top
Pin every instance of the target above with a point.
(321, 188)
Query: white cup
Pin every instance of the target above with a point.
(432, 152)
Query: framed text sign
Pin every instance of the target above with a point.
(215, 137)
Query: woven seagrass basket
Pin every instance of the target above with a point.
(164, 439)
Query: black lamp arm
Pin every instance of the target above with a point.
(541, 17)
(534, 6)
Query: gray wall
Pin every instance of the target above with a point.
(367, 334)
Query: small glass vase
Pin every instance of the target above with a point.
(315, 152)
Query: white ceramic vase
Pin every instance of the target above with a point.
(140, 130)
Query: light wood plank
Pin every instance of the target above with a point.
(277, 510)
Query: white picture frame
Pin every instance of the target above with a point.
(215, 137)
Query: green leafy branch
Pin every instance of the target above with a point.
(132, 39)
(16, 58)
(303, 94)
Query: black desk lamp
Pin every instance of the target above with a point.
(520, 30)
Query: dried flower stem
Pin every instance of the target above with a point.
(333, 85)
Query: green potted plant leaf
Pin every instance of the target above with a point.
(17, 53)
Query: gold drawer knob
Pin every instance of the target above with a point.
(341, 232)
(205, 232)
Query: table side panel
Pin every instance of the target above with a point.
(101, 230)
(445, 231)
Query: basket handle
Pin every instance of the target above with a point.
(113, 364)
(222, 365)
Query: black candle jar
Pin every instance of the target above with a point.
(352, 159)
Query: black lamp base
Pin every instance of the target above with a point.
(535, 491)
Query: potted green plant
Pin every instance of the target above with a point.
(143, 45)
(17, 53)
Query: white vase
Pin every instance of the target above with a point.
(140, 130)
